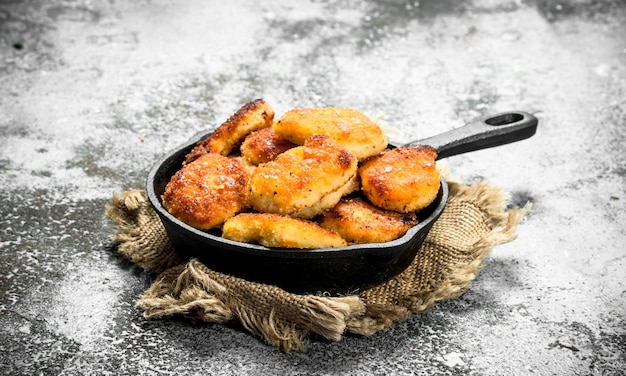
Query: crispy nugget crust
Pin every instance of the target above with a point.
(302, 180)
(349, 128)
(405, 179)
(249, 118)
(207, 191)
(264, 145)
(274, 230)
(359, 222)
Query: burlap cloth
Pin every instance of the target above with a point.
(473, 222)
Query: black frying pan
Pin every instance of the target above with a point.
(340, 270)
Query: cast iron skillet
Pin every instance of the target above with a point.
(336, 271)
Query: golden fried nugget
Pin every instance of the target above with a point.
(405, 179)
(331, 199)
(264, 145)
(275, 230)
(349, 128)
(247, 165)
(249, 118)
(360, 222)
(207, 191)
(303, 181)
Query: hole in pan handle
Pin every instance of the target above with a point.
(486, 132)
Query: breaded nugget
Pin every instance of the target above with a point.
(247, 165)
(360, 222)
(329, 200)
(405, 179)
(303, 181)
(207, 191)
(264, 145)
(249, 118)
(274, 230)
(349, 128)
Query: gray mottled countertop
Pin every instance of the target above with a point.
(93, 92)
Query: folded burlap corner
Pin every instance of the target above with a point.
(473, 222)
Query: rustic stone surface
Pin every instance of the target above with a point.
(92, 92)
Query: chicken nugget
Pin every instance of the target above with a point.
(264, 145)
(405, 179)
(274, 230)
(359, 222)
(207, 191)
(349, 128)
(305, 180)
(249, 118)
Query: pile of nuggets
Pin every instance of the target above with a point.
(315, 178)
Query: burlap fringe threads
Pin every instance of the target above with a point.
(473, 222)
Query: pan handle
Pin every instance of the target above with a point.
(486, 132)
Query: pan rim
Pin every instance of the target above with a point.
(391, 246)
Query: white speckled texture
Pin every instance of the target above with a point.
(92, 92)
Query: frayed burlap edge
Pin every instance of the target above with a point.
(392, 301)
(284, 319)
(139, 239)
